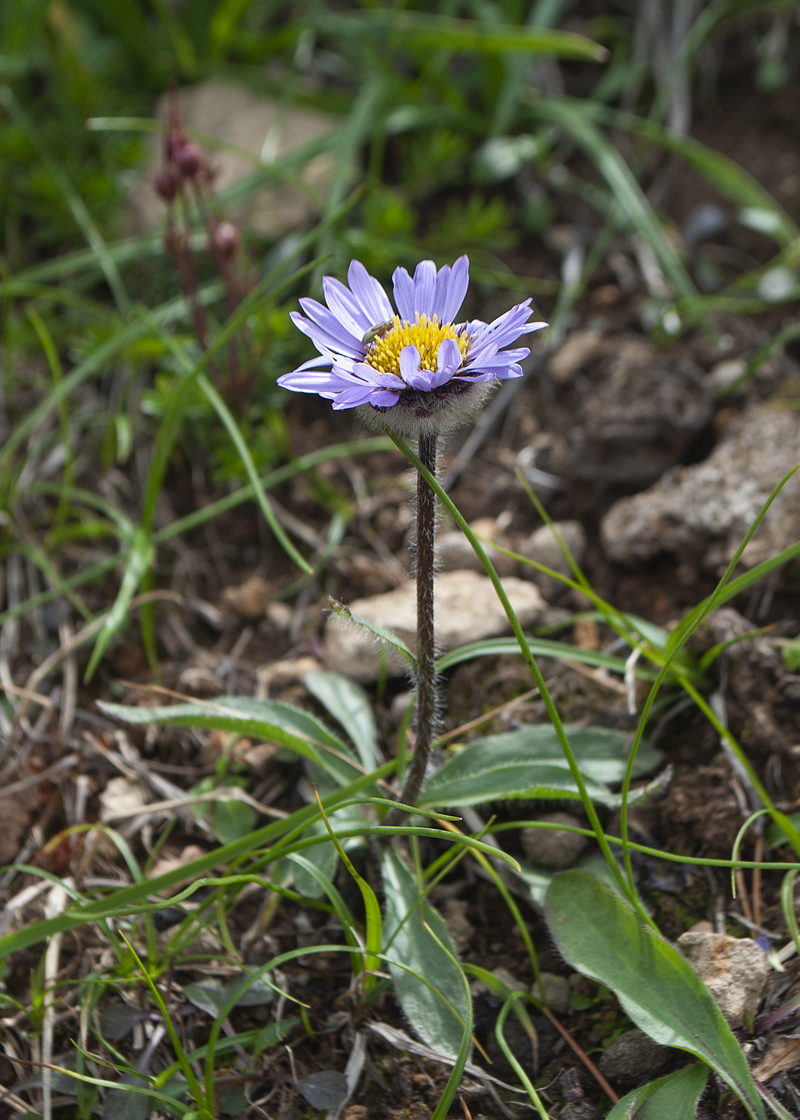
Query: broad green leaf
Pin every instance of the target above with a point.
(601, 752)
(230, 820)
(262, 719)
(517, 763)
(348, 704)
(211, 995)
(406, 939)
(600, 935)
(530, 780)
(673, 1097)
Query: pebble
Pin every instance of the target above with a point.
(734, 969)
(633, 1058)
(551, 847)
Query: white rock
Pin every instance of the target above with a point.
(734, 969)
(467, 609)
(702, 512)
(252, 121)
(121, 799)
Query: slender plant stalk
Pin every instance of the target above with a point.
(427, 684)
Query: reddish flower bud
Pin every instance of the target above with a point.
(226, 240)
(176, 140)
(189, 159)
(165, 183)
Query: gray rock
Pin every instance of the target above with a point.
(254, 122)
(455, 553)
(633, 1058)
(557, 991)
(467, 609)
(631, 417)
(703, 512)
(543, 547)
(734, 969)
(552, 847)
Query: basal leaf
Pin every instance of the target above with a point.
(348, 704)
(673, 1097)
(261, 719)
(530, 761)
(406, 939)
(529, 780)
(600, 935)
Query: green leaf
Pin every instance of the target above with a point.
(406, 939)
(348, 704)
(529, 780)
(673, 1097)
(261, 719)
(212, 994)
(324, 859)
(428, 31)
(531, 763)
(138, 563)
(378, 631)
(539, 647)
(600, 935)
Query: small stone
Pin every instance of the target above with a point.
(576, 351)
(724, 373)
(467, 610)
(280, 615)
(121, 799)
(734, 969)
(633, 1058)
(557, 991)
(552, 847)
(279, 674)
(400, 706)
(250, 599)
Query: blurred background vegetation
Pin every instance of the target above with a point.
(533, 136)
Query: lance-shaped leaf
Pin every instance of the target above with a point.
(600, 935)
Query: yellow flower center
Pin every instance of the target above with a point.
(383, 351)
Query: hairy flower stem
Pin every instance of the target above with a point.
(427, 685)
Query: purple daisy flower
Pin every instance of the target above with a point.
(417, 358)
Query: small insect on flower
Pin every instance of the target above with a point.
(415, 368)
(376, 332)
